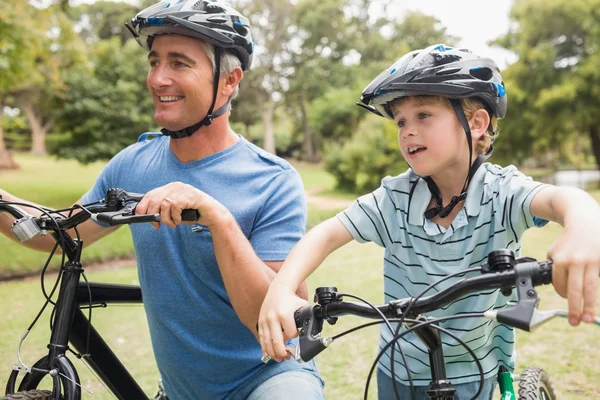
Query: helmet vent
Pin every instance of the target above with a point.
(199, 5)
(483, 73)
(217, 19)
(448, 71)
(214, 9)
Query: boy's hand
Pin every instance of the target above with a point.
(276, 323)
(576, 266)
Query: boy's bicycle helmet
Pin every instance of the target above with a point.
(438, 70)
(444, 71)
(214, 22)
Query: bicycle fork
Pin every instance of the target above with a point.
(56, 364)
(505, 381)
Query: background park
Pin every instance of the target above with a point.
(72, 94)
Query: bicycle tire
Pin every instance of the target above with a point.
(29, 395)
(535, 385)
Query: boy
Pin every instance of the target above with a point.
(444, 215)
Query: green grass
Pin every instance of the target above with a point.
(55, 184)
(318, 181)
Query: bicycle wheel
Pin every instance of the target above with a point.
(29, 395)
(535, 385)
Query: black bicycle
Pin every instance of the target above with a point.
(502, 271)
(71, 330)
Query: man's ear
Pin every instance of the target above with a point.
(480, 120)
(231, 81)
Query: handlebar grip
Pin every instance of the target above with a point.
(543, 276)
(297, 319)
(190, 214)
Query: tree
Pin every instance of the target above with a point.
(21, 42)
(556, 81)
(103, 20)
(107, 109)
(265, 83)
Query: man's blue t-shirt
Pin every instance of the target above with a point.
(202, 349)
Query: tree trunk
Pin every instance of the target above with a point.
(309, 145)
(38, 132)
(6, 160)
(595, 137)
(267, 118)
(247, 132)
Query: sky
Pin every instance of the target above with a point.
(475, 21)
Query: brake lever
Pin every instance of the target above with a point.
(540, 317)
(124, 216)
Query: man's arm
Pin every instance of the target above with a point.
(246, 276)
(89, 231)
(575, 255)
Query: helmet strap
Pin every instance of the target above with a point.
(439, 209)
(207, 120)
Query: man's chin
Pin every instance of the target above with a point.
(169, 125)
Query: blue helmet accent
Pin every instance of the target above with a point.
(501, 89)
(443, 47)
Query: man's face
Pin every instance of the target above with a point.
(180, 80)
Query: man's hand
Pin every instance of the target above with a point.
(170, 200)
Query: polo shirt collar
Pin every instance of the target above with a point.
(421, 197)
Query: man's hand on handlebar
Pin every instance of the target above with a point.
(276, 323)
(170, 200)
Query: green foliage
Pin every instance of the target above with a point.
(16, 132)
(554, 86)
(361, 163)
(106, 111)
(23, 43)
(335, 115)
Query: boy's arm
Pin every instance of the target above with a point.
(576, 253)
(276, 322)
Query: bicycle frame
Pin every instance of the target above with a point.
(72, 326)
(440, 387)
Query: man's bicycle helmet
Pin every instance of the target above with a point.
(214, 22)
(444, 71)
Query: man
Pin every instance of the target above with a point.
(203, 286)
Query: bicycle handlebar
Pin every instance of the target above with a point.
(117, 208)
(502, 271)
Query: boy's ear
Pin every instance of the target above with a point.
(480, 120)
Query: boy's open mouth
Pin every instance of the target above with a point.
(416, 149)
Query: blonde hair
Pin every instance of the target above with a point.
(470, 106)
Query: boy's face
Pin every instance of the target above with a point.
(430, 137)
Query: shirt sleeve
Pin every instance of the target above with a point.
(282, 220)
(365, 220)
(103, 182)
(515, 193)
